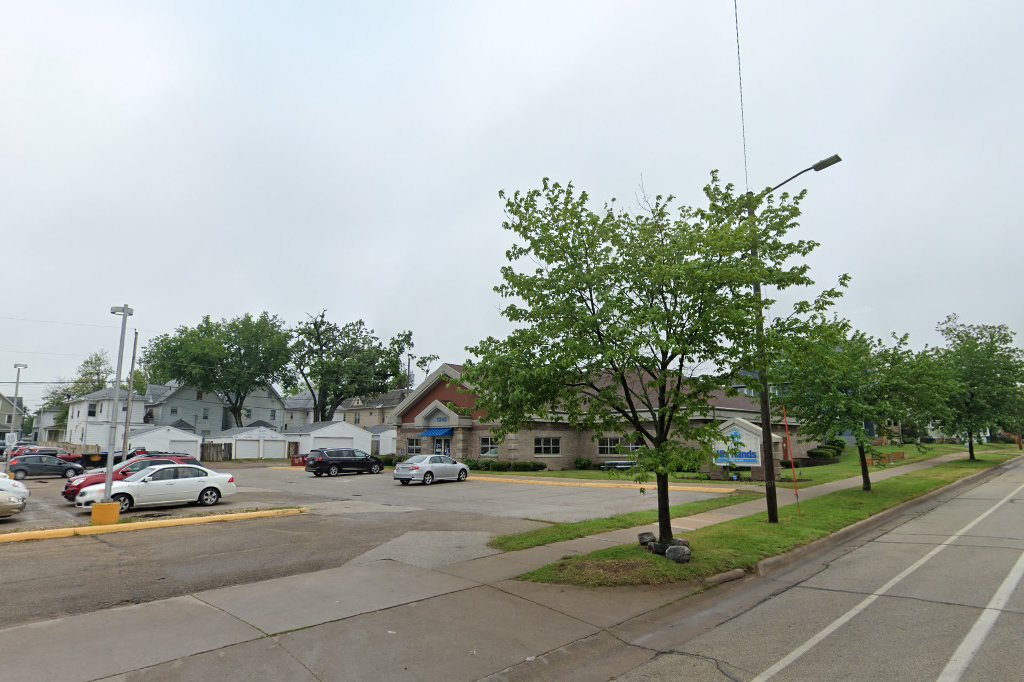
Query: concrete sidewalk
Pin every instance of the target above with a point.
(375, 619)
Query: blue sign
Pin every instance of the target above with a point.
(744, 457)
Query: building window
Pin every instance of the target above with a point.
(174, 411)
(355, 420)
(414, 446)
(608, 446)
(206, 413)
(199, 395)
(273, 415)
(248, 413)
(92, 409)
(101, 408)
(547, 446)
(205, 433)
(488, 448)
(9, 418)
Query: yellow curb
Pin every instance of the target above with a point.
(144, 525)
(588, 484)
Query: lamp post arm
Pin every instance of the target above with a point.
(792, 177)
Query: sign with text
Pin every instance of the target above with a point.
(740, 446)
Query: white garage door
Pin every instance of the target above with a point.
(189, 447)
(274, 448)
(332, 442)
(246, 448)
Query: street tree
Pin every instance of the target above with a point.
(231, 358)
(626, 323)
(987, 370)
(92, 375)
(836, 380)
(336, 362)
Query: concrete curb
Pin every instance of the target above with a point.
(27, 535)
(591, 484)
(775, 563)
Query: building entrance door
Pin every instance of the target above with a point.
(442, 446)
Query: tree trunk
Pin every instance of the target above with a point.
(864, 467)
(970, 443)
(664, 517)
(236, 413)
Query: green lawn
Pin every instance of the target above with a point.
(742, 543)
(559, 532)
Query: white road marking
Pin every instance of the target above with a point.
(968, 648)
(843, 619)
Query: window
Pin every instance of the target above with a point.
(607, 446)
(206, 413)
(124, 408)
(101, 408)
(9, 418)
(199, 395)
(204, 433)
(174, 411)
(92, 410)
(273, 415)
(356, 419)
(547, 446)
(248, 413)
(415, 447)
(488, 448)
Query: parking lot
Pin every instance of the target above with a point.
(268, 487)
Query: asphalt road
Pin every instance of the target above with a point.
(350, 516)
(937, 596)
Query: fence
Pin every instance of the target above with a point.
(72, 447)
(216, 452)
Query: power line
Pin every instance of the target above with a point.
(739, 70)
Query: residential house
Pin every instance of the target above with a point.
(385, 439)
(9, 419)
(440, 416)
(366, 411)
(90, 418)
(298, 411)
(184, 407)
(309, 437)
(46, 427)
(263, 404)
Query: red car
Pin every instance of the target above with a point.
(60, 453)
(121, 472)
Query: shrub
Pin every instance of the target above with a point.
(583, 463)
(821, 452)
(836, 442)
(484, 464)
(473, 464)
(498, 465)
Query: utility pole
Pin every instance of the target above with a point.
(15, 424)
(131, 398)
(124, 311)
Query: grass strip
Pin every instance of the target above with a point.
(560, 532)
(742, 543)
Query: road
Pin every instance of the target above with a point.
(937, 596)
(350, 516)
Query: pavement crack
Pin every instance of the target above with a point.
(230, 615)
(295, 658)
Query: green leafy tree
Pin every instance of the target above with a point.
(93, 375)
(336, 362)
(626, 323)
(232, 357)
(836, 380)
(987, 370)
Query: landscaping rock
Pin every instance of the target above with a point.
(678, 553)
(657, 547)
(679, 542)
(647, 538)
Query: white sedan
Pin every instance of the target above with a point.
(162, 485)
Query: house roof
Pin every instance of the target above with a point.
(303, 401)
(380, 428)
(259, 422)
(381, 400)
(183, 425)
(107, 394)
(158, 393)
(149, 428)
(310, 428)
(453, 372)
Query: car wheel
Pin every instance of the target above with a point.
(69, 473)
(462, 474)
(20, 474)
(333, 470)
(124, 500)
(428, 478)
(375, 469)
(209, 497)
(404, 482)
(318, 473)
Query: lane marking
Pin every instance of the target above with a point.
(971, 644)
(845, 618)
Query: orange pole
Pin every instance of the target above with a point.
(792, 463)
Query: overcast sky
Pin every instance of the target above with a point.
(192, 158)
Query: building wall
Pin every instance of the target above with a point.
(445, 394)
(262, 405)
(294, 418)
(185, 404)
(86, 430)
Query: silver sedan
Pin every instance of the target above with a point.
(429, 468)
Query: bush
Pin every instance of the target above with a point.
(583, 463)
(836, 451)
(821, 452)
(500, 466)
(473, 464)
(484, 464)
(836, 442)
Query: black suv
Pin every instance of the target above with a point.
(333, 461)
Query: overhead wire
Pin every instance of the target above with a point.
(739, 71)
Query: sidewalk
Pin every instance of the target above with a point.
(375, 620)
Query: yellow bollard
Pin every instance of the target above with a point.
(106, 513)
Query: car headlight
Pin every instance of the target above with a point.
(12, 498)
(76, 481)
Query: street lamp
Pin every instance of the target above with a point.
(124, 311)
(767, 453)
(15, 424)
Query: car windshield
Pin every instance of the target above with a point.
(148, 471)
(416, 459)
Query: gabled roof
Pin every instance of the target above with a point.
(303, 401)
(382, 400)
(310, 428)
(183, 425)
(265, 424)
(158, 393)
(380, 428)
(453, 372)
(149, 428)
(107, 394)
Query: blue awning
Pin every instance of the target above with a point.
(438, 433)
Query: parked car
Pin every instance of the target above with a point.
(429, 468)
(13, 497)
(42, 465)
(120, 472)
(333, 461)
(619, 465)
(164, 484)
